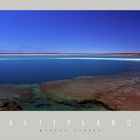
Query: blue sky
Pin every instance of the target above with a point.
(70, 31)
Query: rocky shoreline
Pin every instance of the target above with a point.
(119, 92)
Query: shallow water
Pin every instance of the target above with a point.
(33, 70)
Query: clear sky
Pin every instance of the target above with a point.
(70, 31)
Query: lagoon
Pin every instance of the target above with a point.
(37, 69)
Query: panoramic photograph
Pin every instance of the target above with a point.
(82, 60)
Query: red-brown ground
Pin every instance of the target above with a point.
(118, 92)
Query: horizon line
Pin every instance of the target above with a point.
(69, 52)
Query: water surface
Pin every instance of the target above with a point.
(37, 69)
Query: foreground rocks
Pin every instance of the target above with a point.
(8, 105)
(16, 91)
(123, 99)
(12, 97)
(117, 92)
